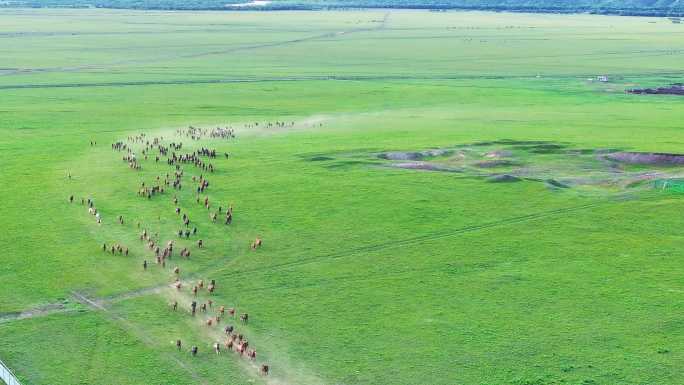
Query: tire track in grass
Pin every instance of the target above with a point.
(286, 374)
(274, 79)
(137, 332)
(38, 311)
(408, 241)
(221, 265)
(215, 333)
(326, 35)
(99, 303)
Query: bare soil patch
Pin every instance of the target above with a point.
(424, 166)
(654, 158)
(674, 89)
(498, 154)
(417, 155)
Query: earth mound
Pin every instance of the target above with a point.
(556, 184)
(320, 158)
(495, 163)
(503, 178)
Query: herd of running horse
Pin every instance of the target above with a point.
(140, 148)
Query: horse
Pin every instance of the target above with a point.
(244, 318)
(241, 348)
(264, 369)
(256, 244)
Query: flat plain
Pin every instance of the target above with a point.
(437, 206)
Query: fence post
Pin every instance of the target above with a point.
(7, 375)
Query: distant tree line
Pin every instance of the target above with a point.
(671, 8)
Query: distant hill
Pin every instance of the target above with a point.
(674, 8)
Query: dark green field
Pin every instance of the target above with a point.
(381, 263)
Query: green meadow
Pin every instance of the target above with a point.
(369, 273)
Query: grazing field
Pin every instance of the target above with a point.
(443, 198)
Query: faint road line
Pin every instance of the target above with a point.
(99, 303)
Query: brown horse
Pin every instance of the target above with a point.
(256, 244)
(241, 348)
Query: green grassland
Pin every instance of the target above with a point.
(369, 274)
